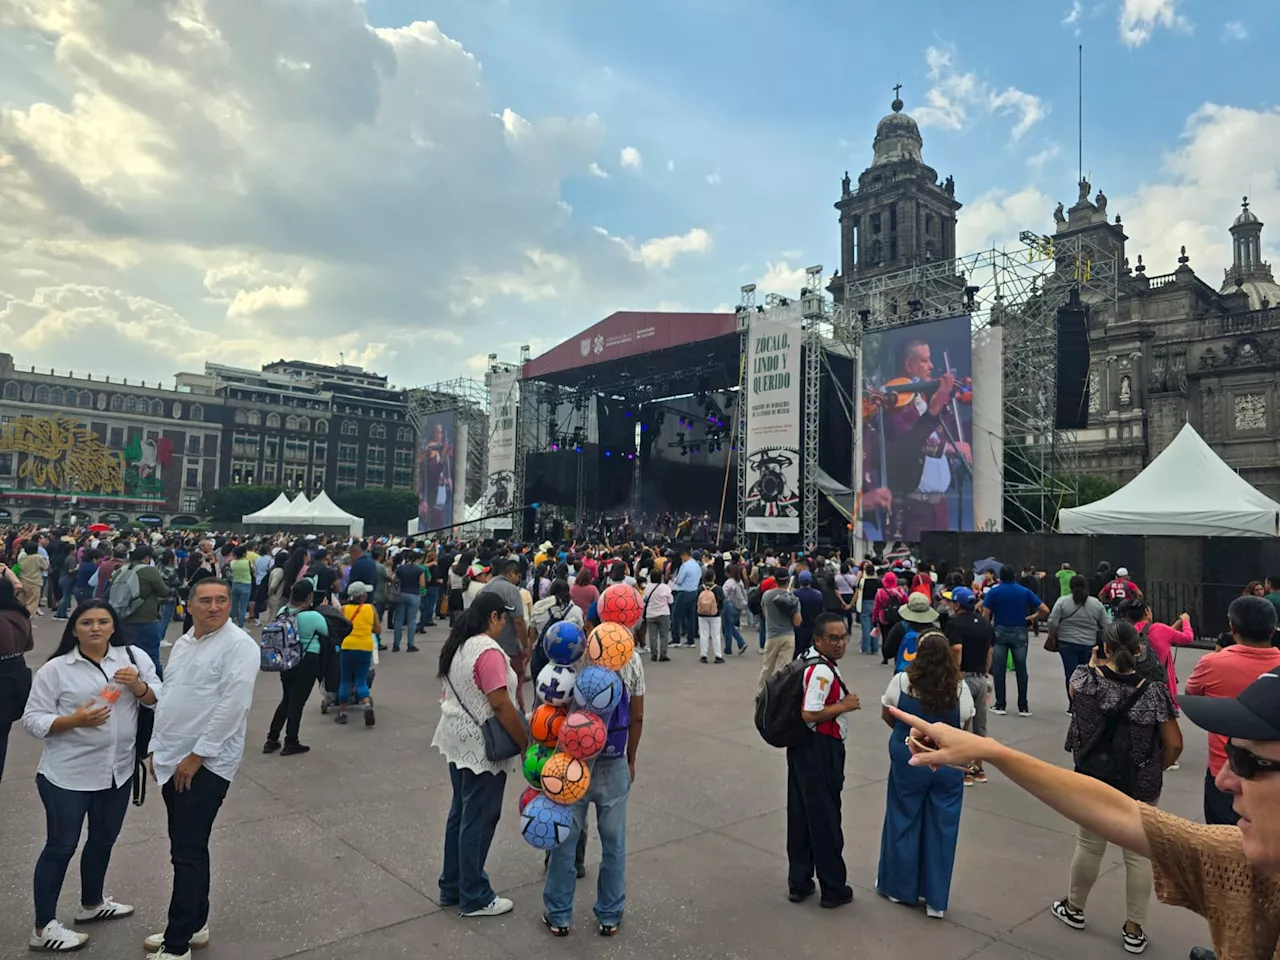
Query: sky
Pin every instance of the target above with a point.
(411, 186)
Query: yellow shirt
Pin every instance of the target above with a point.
(363, 619)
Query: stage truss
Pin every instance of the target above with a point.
(1020, 290)
(469, 401)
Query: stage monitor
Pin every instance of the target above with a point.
(437, 466)
(918, 444)
(1071, 411)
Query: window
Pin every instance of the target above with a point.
(6, 464)
(317, 479)
(190, 502)
(321, 451)
(254, 418)
(378, 432)
(376, 454)
(350, 428)
(177, 410)
(243, 471)
(348, 452)
(193, 478)
(404, 435)
(269, 474)
(210, 444)
(291, 423)
(42, 394)
(12, 391)
(403, 458)
(375, 475)
(197, 412)
(157, 408)
(273, 420)
(295, 449)
(244, 445)
(322, 426)
(116, 440)
(271, 448)
(875, 223)
(346, 473)
(130, 404)
(402, 477)
(295, 478)
(241, 416)
(28, 392)
(58, 397)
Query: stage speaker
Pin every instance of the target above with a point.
(1072, 409)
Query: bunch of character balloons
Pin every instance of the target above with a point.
(580, 689)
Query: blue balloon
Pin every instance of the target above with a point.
(598, 690)
(544, 824)
(564, 642)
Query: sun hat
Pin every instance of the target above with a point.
(917, 609)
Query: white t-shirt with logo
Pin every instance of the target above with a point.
(817, 687)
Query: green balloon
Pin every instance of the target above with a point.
(535, 759)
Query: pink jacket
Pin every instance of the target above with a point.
(889, 593)
(1162, 638)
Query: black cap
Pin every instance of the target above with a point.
(1253, 715)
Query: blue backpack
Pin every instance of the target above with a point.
(281, 644)
(906, 650)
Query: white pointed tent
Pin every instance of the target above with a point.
(1186, 491)
(270, 512)
(326, 513)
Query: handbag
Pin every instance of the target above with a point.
(1051, 641)
(498, 743)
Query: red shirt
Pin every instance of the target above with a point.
(767, 584)
(1225, 674)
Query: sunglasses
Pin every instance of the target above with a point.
(1246, 764)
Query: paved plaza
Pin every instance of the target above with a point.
(335, 854)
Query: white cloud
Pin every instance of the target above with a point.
(995, 218)
(714, 179)
(781, 278)
(631, 159)
(1139, 19)
(662, 251)
(1073, 15)
(1234, 30)
(308, 185)
(596, 171)
(953, 95)
(1038, 160)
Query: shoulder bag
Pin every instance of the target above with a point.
(498, 743)
(1051, 641)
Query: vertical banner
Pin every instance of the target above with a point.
(461, 450)
(988, 429)
(503, 386)
(773, 426)
(435, 471)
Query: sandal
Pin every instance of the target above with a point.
(608, 929)
(555, 931)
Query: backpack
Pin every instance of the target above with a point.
(778, 705)
(1108, 756)
(125, 593)
(890, 613)
(1148, 664)
(707, 602)
(753, 601)
(339, 626)
(281, 643)
(906, 650)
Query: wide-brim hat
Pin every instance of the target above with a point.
(917, 609)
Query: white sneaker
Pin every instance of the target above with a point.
(166, 644)
(935, 914)
(55, 938)
(1024, 713)
(199, 939)
(1172, 766)
(163, 955)
(496, 908)
(107, 910)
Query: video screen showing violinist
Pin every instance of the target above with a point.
(917, 406)
(435, 471)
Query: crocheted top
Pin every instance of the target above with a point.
(458, 736)
(1203, 868)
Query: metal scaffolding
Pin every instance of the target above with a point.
(469, 401)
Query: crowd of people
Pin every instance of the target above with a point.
(947, 639)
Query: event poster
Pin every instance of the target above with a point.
(436, 456)
(773, 426)
(503, 385)
(917, 422)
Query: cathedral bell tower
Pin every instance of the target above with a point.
(899, 216)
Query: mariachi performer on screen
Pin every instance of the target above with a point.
(914, 450)
(435, 463)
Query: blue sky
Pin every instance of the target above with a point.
(411, 185)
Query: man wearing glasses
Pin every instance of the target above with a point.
(815, 772)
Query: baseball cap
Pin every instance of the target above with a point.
(805, 577)
(961, 596)
(1253, 715)
(917, 609)
(1122, 572)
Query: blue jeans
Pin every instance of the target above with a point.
(468, 834)
(610, 786)
(406, 616)
(64, 814)
(167, 610)
(68, 586)
(684, 616)
(1073, 655)
(430, 602)
(353, 666)
(147, 637)
(729, 620)
(1010, 639)
(870, 644)
(240, 594)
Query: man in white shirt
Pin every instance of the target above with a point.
(196, 749)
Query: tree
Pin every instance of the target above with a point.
(229, 504)
(1091, 489)
(381, 509)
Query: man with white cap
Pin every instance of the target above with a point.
(1119, 590)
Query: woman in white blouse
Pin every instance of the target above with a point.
(84, 706)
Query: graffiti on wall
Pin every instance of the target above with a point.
(57, 453)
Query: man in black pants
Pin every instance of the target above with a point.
(815, 772)
(196, 749)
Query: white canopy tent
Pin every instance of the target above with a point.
(1186, 491)
(272, 511)
(325, 513)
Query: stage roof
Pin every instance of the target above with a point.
(628, 345)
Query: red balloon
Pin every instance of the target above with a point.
(528, 795)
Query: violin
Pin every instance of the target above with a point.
(902, 391)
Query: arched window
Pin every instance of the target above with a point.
(322, 426)
(273, 420)
(378, 432)
(12, 391)
(58, 397)
(291, 422)
(255, 418)
(197, 412)
(304, 424)
(28, 392)
(117, 402)
(350, 428)
(157, 408)
(42, 394)
(86, 398)
(130, 404)
(241, 416)
(177, 410)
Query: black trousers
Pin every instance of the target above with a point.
(191, 815)
(295, 688)
(1217, 804)
(815, 835)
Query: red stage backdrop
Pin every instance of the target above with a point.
(627, 334)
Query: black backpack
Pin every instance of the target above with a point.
(1148, 664)
(778, 705)
(1108, 756)
(753, 601)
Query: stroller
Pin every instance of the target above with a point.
(339, 627)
